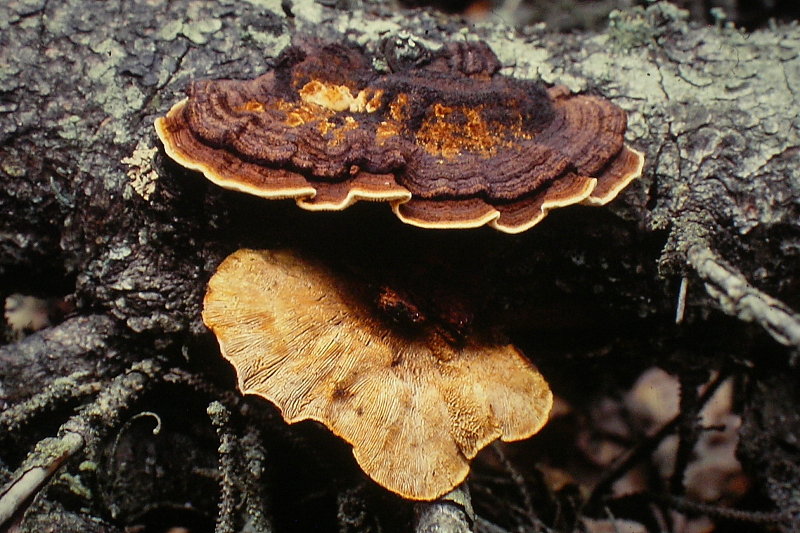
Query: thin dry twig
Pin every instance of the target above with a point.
(80, 431)
(452, 513)
(522, 488)
(256, 502)
(737, 297)
(645, 448)
(39, 467)
(687, 505)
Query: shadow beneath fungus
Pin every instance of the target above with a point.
(559, 276)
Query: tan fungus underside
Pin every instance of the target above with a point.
(415, 411)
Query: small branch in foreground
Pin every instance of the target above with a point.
(220, 418)
(81, 431)
(737, 297)
(452, 513)
(60, 391)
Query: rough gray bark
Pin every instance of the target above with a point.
(90, 208)
(83, 345)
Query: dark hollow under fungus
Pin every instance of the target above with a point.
(450, 143)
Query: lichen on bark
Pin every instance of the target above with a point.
(714, 109)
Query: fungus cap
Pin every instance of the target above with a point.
(414, 408)
(449, 143)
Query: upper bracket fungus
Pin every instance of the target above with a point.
(415, 405)
(448, 141)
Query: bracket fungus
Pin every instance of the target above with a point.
(448, 142)
(415, 406)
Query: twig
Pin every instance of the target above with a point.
(718, 512)
(612, 519)
(230, 399)
(256, 503)
(522, 487)
(452, 513)
(519, 481)
(737, 297)
(484, 526)
(39, 467)
(638, 453)
(688, 432)
(80, 431)
(220, 418)
(60, 391)
(680, 308)
(106, 497)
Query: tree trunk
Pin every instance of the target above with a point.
(93, 213)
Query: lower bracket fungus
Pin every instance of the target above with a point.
(415, 406)
(448, 142)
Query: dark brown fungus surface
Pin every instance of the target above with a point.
(415, 406)
(450, 143)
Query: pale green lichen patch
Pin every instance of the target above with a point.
(524, 60)
(70, 128)
(372, 29)
(268, 40)
(170, 30)
(199, 31)
(196, 27)
(141, 172)
(88, 466)
(116, 95)
(108, 47)
(631, 74)
(308, 10)
(13, 166)
(75, 485)
(119, 253)
(9, 76)
(629, 30)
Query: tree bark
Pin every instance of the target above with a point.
(92, 210)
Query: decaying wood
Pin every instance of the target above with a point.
(92, 210)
